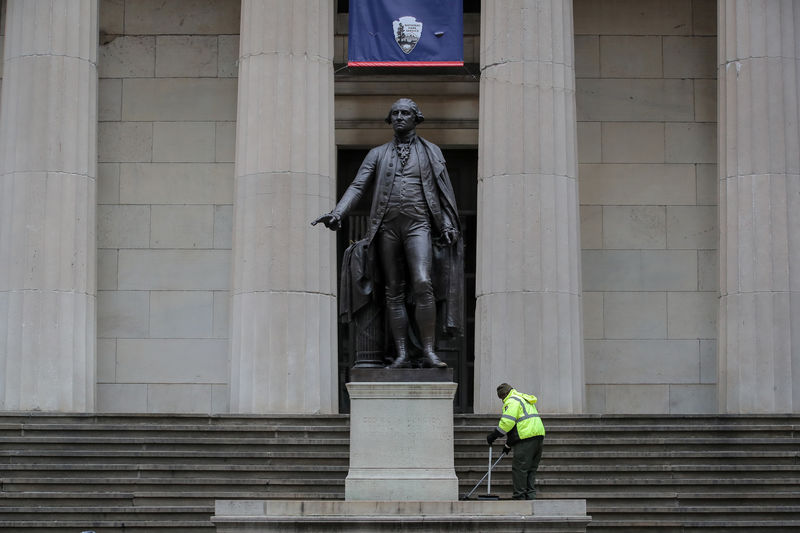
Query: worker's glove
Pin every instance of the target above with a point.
(506, 450)
(493, 436)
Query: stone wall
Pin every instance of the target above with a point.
(166, 150)
(646, 98)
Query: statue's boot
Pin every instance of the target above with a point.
(398, 323)
(431, 359)
(401, 361)
(426, 321)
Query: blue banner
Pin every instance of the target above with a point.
(406, 33)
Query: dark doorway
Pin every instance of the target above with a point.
(463, 168)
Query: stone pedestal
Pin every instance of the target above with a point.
(528, 328)
(259, 516)
(401, 442)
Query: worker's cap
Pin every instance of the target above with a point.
(503, 389)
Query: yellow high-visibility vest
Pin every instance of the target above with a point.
(519, 411)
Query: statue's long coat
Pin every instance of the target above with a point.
(378, 169)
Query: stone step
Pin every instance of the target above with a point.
(115, 484)
(659, 440)
(294, 442)
(656, 525)
(175, 431)
(765, 432)
(207, 497)
(288, 440)
(718, 498)
(499, 479)
(552, 455)
(631, 499)
(341, 432)
(547, 469)
(279, 461)
(726, 487)
(652, 471)
(227, 445)
(701, 420)
(172, 497)
(172, 470)
(728, 512)
(29, 417)
(704, 457)
(500, 482)
(466, 419)
(640, 497)
(137, 456)
(122, 513)
(106, 526)
(611, 491)
(631, 478)
(465, 422)
(64, 498)
(261, 427)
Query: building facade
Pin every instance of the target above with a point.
(628, 169)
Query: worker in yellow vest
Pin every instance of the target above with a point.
(521, 425)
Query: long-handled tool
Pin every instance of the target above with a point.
(488, 495)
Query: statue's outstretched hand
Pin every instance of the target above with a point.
(331, 221)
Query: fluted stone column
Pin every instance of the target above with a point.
(528, 317)
(48, 160)
(283, 324)
(759, 206)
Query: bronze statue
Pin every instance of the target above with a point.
(413, 243)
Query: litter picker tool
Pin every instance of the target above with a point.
(488, 495)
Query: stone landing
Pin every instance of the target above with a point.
(262, 516)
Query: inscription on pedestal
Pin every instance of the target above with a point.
(428, 427)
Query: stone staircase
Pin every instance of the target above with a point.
(673, 474)
(162, 473)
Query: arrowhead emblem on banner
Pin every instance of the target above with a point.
(407, 32)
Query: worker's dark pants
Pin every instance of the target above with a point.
(527, 454)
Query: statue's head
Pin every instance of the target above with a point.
(406, 104)
(502, 390)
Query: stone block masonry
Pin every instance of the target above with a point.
(646, 101)
(167, 106)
